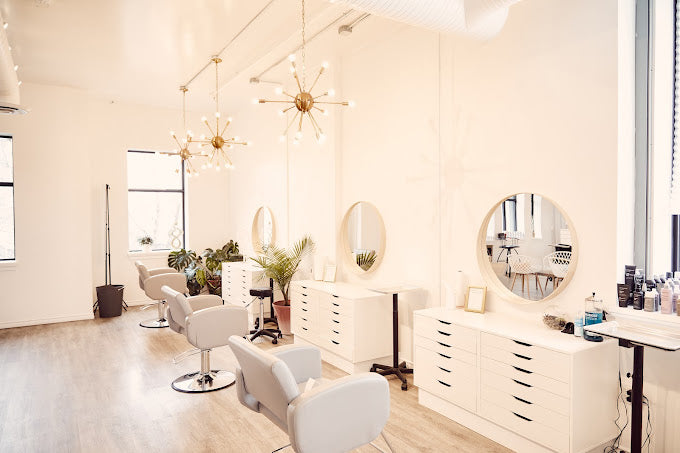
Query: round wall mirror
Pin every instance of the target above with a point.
(527, 248)
(263, 233)
(363, 237)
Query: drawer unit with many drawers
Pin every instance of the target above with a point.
(351, 325)
(237, 280)
(518, 383)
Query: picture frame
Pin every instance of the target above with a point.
(475, 301)
(329, 273)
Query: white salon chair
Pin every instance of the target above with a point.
(151, 281)
(524, 267)
(558, 263)
(318, 416)
(207, 324)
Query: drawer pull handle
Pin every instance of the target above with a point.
(304, 309)
(522, 417)
(304, 287)
(337, 322)
(446, 345)
(520, 399)
(443, 355)
(444, 322)
(444, 333)
(523, 370)
(522, 356)
(443, 383)
(336, 332)
(304, 328)
(444, 369)
(336, 305)
(335, 295)
(335, 312)
(522, 343)
(304, 319)
(522, 383)
(304, 294)
(335, 342)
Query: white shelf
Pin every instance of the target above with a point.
(641, 315)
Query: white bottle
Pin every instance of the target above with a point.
(666, 299)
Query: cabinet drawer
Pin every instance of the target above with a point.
(526, 391)
(446, 332)
(554, 369)
(446, 350)
(430, 362)
(525, 376)
(338, 346)
(526, 408)
(523, 348)
(449, 379)
(525, 426)
(337, 305)
(301, 326)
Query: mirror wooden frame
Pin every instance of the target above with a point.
(254, 232)
(487, 271)
(344, 242)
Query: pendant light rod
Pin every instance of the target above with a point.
(231, 41)
(314, 36)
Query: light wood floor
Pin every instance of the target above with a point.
(104, 385)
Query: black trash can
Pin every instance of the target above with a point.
(110, 300)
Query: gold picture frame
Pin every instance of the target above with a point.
(475, 300)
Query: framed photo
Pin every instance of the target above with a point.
(329, 273)
(476, 299)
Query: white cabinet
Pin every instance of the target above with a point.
(350, 324)
(516, 382)
(237, 280)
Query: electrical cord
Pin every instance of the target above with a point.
(648, 428)
(620, 399)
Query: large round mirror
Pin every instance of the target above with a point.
(527, 248)
(263, 233)
(363, 237)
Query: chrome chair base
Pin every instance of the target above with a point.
(200, 383)
(154, 323)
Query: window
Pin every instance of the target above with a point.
(155, 199)
(6, 199)
(510, 214)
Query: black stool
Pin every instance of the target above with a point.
(274, 334)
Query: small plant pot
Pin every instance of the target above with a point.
(282, 316)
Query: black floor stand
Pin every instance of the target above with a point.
(398, 369)
(636, 394)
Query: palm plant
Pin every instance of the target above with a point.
(280, 264)
(366, 259)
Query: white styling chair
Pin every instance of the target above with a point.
(524, 266)
(331, 416)
(151, 281)
(207, 324)
(558, 263)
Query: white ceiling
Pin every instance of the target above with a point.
(142, 51)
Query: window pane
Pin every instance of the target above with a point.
(6, 159)
(154, 171)
(6, 223)
(154, 214)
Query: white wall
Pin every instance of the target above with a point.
(66, 149)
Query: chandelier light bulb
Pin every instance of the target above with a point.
(190, 134)
(325, 65)
(249, 144)
(322, 138)
(282, 138)
(291, 57)
(298, 135)
(203, 167)
(16, 67)
(255, 101)
(204, 119)
(237, 139)
(295, 142)
(217, 114)
(188, 174)
(278, 90)
(292, 69)
(184, 140)
(5, 25)
(202, 138)
(19, 83)
(230, 119)
(331, 92)
(352, 104)
(172, 133)
(282, 112)
(325, 113)
(209, 164)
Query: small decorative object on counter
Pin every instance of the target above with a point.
(593, 315)
(554, 318)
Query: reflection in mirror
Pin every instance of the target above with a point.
(263, 229)
(529, 246)
(364, 235)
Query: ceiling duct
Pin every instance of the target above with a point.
(481, 19)
(9, 84)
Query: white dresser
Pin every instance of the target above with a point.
(237, 280)
(351, 325)
(516, 382)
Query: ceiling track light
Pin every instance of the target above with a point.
(304, 102)
(347, 29)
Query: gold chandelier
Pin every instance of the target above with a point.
(304, 101)
(220, 144)
(184, 153)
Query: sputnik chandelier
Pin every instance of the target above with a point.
(304, 101)
(219, 143)
(184, 153)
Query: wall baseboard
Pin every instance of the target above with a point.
(55, 319)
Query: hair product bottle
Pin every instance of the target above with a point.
(666, 298)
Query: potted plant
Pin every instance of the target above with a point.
(210, 274)
(281, 264)
(186, 261)
(231, 249)
(146, 242)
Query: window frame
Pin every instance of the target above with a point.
(180, 191)
(14, 217)
(513, 200)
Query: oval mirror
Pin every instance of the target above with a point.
(363, 238)
(263, 232)
(527, 248)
